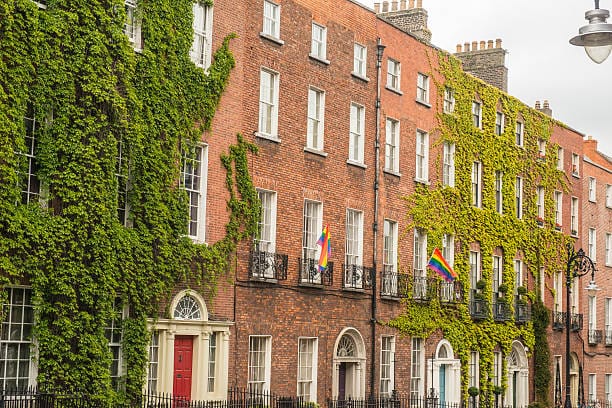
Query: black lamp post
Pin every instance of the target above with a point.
(578, 265)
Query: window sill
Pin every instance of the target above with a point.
(451, 113)
(319, 59)
(392, 173)
(394, 90)
(391, 298)
(592, 201)
(422, 181)
(310, 285)
(271, 38)
(272, 138)
(423, 103)
(356, 164)
(353, 289)
(315, 151)
(576, 175)
(357, 75)
(263, 279)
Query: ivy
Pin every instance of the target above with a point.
(440, 210)
(94, 98)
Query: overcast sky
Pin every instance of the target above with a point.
(541, 62)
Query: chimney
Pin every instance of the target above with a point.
(485, 62)
(545, 109)
(409, 16)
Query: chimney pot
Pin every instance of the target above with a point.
(482, 45)
(394, 5)
(498, 43)
(402, 4)
(419, 3)
(537, 105)
(474, 45)
(411, 4)
(589, 137)
(490, 44)
(466, 47)
(459, 47)
(546, 106)
(385, 6)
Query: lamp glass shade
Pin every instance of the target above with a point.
(592, 288)
(598, 53)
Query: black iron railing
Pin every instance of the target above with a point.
(501, 311)
(311, 275)
(357, 277)
(33, 397)
(609, 337)
(595, 336)
(392, 284)
(522, 312)
(479, 309)
(450, 292)
(267, 266)
(558, 320)
(576, 322)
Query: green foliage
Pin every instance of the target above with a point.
(440, 210)
(94, 98)
(541, 352)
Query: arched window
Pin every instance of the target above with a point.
(443, 352)
(346, 347)
(187, 309)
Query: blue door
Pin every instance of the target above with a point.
(442, 384)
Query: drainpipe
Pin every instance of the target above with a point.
(379, 55)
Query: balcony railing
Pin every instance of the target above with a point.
(267, 266)
(450, 292)
(393, 284)
(501, 311)
(558, 322)
(423, 288)
(609, 337)
(595, 336)
(357, 277)
(522, 312)
(310, 274)
(576, 322)
(479, 309)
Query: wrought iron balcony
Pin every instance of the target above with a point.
(609, 337)
(311, 275)
(357, 277)
(522, 312)
(423, 288)
(393, 284)
(267, 266)
(479, 309)
(450, 292)
(576, 322)
(559, 321)
(501, 311)
(595, 336)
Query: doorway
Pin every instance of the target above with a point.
(183, 365)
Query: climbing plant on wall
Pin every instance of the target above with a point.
(439, 210)
(95, 99)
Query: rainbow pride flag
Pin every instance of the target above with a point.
(438, 264)
(325, 248)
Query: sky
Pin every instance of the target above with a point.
(542, 64)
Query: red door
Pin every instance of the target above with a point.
(183, 359)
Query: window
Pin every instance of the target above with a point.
(307, 369)
(575, 164)
(422, 88)
(449, 100)
(30, 184)
(473, 380)
(114, 335)
(474, 272)
(519, 134)
(592, 318)
(592, 388)
(448, 248)
(392, 146)
(16, 368)
(593, 244)
(540, 202)
(419, 263)
(132, 27)
(574, 216)
(316, 116)
(417, 366)
(558, 209)
(608, 388)
(265, 242)
(497, 274)
(518, 189)
(313, 213)
(422, 156)
(609, 195)
(271, 19)
(448, 164)
(559, 158)
(558, 291)
(608, 323)
(212, 360)
(354, 247)
(122, 174)
(201, 50)
(268, 104)
(153, 368)
(393, 74)
(518, 275)
(390, 246)
(499, 123)
(608, 255)
(477, 184)
(187, 308)
(193, 181)
(319, 42)
(477, 114)
(497, 368)
(541, 148)
(499, 193)
(260, 350)
(360, 60)
(592, 189)
(387, 352)
(356, 140)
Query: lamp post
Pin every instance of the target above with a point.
(578, 265)
(595, 37)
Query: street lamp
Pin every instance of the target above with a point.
(578, 265)
(596, 37)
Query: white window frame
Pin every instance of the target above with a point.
(394, 74)
(499, 123)
(387, 366)
(558, 291)
(389, 281)
(196, 190)
(422, 88)
(448, 248)
(575, 165)
(315, 134)
(357, 133)
(133, 27)
(499, 191)
(608, 254)
(449, 100)
(122, 174)
(271, 19)
(558, 196)
(392, 147)
(311, 229)
(592, 189)
(318, 46)
(354, 247)
(497, 368)
(448, 164)
(519, 133)
(477, 184)
(574, 216)
(608, 322)
(259, 364)
(560, 156)
(265, 242)
(497, 274)
(201, 48)
(608, 388)
(417, 368)
(419, 263)
(307, 368)
(477, 114)
(422, 156)
(474, 272)
(268, 104)
(609, 195)
(540, 202)
(360, 60)
(213, 355)
(153, 372)
(114, 336)
(474, 369)
(518, 194)
(592, 388)
(592, 315)
(592, 245)
(541, 148)
(31, 185)
(518, 275)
